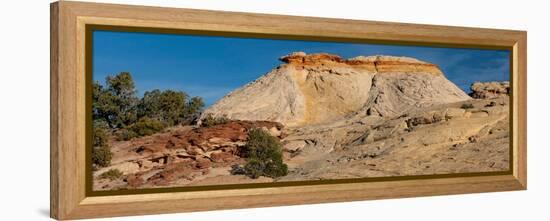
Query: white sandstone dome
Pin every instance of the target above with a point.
(316, 88)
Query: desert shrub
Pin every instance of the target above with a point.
(99, 137)
(144, 127)
(264, 155)
(111, 174)
(276, 169)
(101, 153)
(101, 156)
(254, 168)
(261, 144)
(467, 106)
(210, 120)
(100, 123)
(125, 134)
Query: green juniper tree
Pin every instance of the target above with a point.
(121, 86)
(193, 109)
(116, 102)
(166, 106)
(117, 105)
(194, 105)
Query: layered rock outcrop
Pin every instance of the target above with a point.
(180, 154)
(488, 90)
(318, 88)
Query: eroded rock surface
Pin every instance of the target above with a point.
(318, 88)
(181, 155)
(441, 139)
(487, 90)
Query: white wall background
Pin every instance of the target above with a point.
(24, 109)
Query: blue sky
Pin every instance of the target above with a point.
(210, 67)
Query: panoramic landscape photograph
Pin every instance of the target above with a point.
(174, 110)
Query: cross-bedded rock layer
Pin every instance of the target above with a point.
(318, 88)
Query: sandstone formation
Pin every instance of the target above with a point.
(368, 116)
(489, 90)
(180, 155)
(318, 88)
(441, 139)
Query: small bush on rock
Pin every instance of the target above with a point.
(99, 137)
(125, 134)
(264, 155)
(144, 127)
(101, 156)
(210, 120)
(254, 168)
(111, 174)
(101, 153)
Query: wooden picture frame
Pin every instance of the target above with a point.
(69, 196)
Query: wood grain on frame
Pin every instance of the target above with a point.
(68, 118)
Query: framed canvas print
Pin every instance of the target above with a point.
(160, 110)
